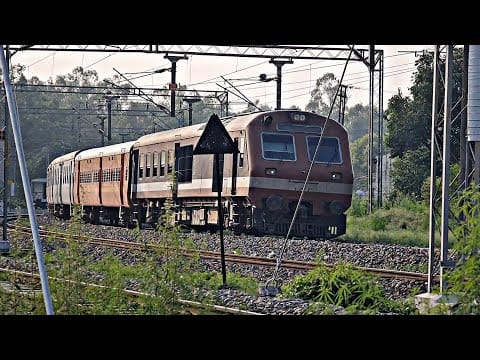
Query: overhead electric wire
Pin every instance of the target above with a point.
(96, 62)
(279, 259)
(232, 72)
(142, 94)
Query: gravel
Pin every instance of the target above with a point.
(385, 256)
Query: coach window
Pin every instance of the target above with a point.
(278, 147)
(148, 162)
(162, 163)
(328, 151)
(155, 164)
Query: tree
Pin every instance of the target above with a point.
(400, 125)
(409, 124)
(323, 95)
(359, 153)
(357, 119)
(410, 170)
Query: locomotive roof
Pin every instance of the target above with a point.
(233, 123)
(106, 150)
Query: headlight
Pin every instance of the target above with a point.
(297, 117)
(336, 175)
(270, 171)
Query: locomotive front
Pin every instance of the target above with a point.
(281, 146)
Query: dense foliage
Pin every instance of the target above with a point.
(409, 126)
(341, 286)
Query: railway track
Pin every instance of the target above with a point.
(213, 255)
(191, 306)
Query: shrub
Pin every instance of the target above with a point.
(343, 286)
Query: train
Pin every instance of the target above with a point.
(39, 192)
(129, 183)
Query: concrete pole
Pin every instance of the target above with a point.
(380, 135)
(446, 164)
(371, 69)
(464, 168)
(26, 183)
(5, 161)
(433, 157)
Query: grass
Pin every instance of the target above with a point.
(404, 222)
(166, 274)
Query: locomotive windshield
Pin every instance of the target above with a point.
(278, 147)
(328, 152)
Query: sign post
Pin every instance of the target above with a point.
(216, 140)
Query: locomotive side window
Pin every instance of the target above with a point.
(141, 167)
(148, 164)
(328, 151)
(185, 160)
(278, 147)
(241, 151)
(170, 161)
(162, 163)
(155, 164)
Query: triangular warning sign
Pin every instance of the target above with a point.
(215, 139)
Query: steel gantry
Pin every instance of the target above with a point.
(284, 54)
(309, 52)
(440, 141)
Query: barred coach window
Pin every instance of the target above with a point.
(278, 147)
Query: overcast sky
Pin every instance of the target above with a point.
(203, 72)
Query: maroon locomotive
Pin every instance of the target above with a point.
(130, 182)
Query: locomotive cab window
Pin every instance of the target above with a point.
(328, 151)
(278, 147)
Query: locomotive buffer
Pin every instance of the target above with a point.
(216, 140)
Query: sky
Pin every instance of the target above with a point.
(204, 72)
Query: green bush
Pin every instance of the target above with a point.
(359, 207)
(464, 280)
(343, 286)
(378, 222)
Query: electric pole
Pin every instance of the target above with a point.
(190, 101)
(102, 128)
(173, 85)
(108, 99)
(279, 63)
